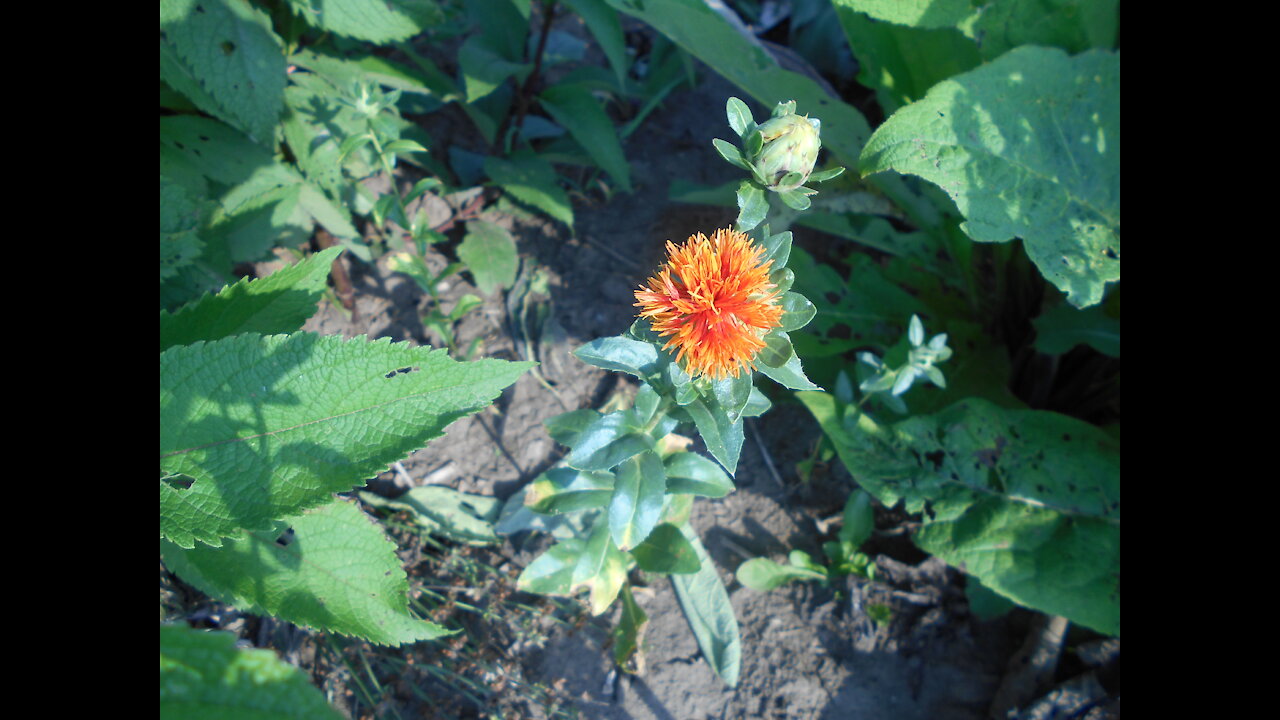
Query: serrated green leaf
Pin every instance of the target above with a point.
(692, 474)
(490, 254)
(666, 551)
(636, 504)
(447, 513)
(339, 573)
(1027, 146)
(278, 303)
(203, 670)
(228, 50)
(573, 106)
(706, 606)
(378, 21)
(213, 149)
(269, 426)
(531, 180)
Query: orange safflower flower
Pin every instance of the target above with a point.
(714, 299)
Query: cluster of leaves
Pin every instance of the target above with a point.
(843, 556)
(260, 425)
(1007, 115)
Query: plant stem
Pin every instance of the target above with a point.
(522, 96)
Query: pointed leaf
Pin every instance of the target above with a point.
(278, 303)
(739, 116)
(561, 490)
(269, 426)
(752, 206)
(722, 437)
(666, 551)
(706, 606)
(574, 107)
(636, 504)
(692, 474)
(552, 572)
(609, 440)
(602, 568)
(339, 574)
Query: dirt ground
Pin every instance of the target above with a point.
(807, 651)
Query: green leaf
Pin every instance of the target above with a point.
(797, 311)
(626, 635)
(752, 206)
(603, 22)
(490, 254)
(563, 489)
(739, 116)
(609, 440)
(204, 674)
(378, 21)
(573, 106)
(777, 350)
(228, 50)
(1072, 25)
(789, 375)
(706, 606)
(637, 499)
(901, 63)
(1025, 500)
(795, 199)
(731, 153)
(447, 513)
(722, 436)
(778, 249)
(551, 573)
(270, 426)
(180, 215)
(621, 354)
(339, 573)
(565, 428)
(1027, 146)
(484, 68)
(1062, 327)
(602, 568)
(859, 519)
(692, 474)
(933, 14)
(531, 180)
(762, 574)
(278, 303)
(733, 393)
(666, 551)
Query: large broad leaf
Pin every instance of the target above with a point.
(378, 21)
(1027, 501)
(224, 56)
(264, 427)
(710, 614)
(1027, 146)
(901, 63)
(203, 674)
(278, 303)
(338, 573)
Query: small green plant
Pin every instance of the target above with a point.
(843, 556)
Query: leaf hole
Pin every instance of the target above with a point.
(227, 46)
(178, 482)
(401, 371)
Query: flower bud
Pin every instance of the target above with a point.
(790, 145)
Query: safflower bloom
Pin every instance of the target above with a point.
(714, 300)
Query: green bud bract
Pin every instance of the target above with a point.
(790, 145)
